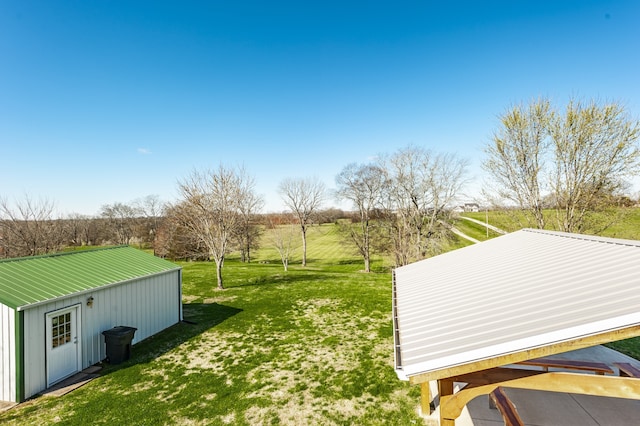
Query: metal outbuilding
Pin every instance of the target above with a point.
(54, 308)
(529, 294)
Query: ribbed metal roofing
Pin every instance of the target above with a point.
(33, 280)
(523, 290)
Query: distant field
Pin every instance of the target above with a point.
(628, 226)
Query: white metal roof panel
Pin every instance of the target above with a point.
(523, 290)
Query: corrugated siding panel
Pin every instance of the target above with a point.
(34, 280)
(7, 354)
(513, 292)
(150, 304)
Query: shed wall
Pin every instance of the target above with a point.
(150, 304)
(7, 354)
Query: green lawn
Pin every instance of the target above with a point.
(310, 346)
(475, 230)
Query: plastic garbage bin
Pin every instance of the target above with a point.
(118, 340)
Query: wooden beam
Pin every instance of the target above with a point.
(494, 375)
(586, 384)
(513, 358)
(445, 390)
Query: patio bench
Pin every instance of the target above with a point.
(627, 369)
(506, 407)
(569, 364)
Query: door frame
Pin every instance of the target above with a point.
(77, 340)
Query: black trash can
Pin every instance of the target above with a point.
(118, 340)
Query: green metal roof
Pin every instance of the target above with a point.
(33, 280)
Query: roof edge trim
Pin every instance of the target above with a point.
(527, 348)
(60, 254)
(585, 237)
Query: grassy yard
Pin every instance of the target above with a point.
(310, 346)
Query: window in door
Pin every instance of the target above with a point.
(60, 330)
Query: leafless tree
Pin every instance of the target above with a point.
(362, 185)
(151, 212)
(121, 220)
(29, 228)
(210, 209)
(303, 196)
(82, 229)
(422, 186)
(174, 240)
(248, 232)
(570, 158)
(282, 232)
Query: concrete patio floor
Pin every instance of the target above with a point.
(538, 408)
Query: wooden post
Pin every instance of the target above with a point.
(425, 398)
(445, 390)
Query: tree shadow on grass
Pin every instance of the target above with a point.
(290, 277)
(197, 318)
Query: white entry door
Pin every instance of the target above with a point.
(63, 344)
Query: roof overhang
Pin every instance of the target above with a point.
(516, 297)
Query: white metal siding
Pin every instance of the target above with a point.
(7, 354)
(150, 304)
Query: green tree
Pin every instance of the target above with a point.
(575, 159)
(516, 157)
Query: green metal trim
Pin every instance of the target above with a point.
(180, 313)
(19, 341)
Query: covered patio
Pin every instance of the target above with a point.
(469, 320)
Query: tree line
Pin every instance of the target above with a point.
(554, 167)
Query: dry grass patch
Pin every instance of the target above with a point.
(313, 346)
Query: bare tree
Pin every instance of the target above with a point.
(210, 209)
(248, 232)
(82, 229)
(121, 220)
(282, 232)
(151, 210)
(174, 240)
(29, 228)
(422, 185)
(303, 197)
(362, 185)
(571, 159)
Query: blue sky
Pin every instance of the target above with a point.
(109, 101)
